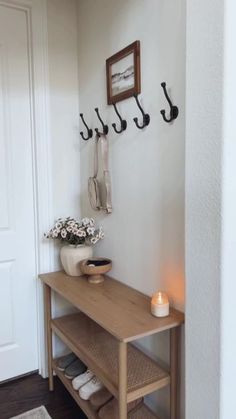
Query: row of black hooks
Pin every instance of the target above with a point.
(174, 112)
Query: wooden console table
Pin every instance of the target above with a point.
(112, 315)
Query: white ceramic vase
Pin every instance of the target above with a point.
(71, 256)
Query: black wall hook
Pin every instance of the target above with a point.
(174, 111)
(89, 130)
(146, 116)
(123, 122)
(105, 128)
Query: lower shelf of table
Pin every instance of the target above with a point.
(139, 413)
(84, 405)
(142, 412)
(99, 351)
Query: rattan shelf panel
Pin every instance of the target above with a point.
(143, 412)
(84, 405)
(99, 350)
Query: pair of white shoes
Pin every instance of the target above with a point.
(87, 384)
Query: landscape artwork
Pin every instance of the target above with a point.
(123, 74)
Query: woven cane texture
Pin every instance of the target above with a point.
(101, 348)
(142, 413)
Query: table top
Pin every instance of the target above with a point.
(121, 310)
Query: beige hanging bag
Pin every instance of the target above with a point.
(98, 200)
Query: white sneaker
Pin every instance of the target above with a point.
(90, 388)
(82, 379)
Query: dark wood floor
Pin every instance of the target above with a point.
(26, 393)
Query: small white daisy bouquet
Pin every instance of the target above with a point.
(76, 232)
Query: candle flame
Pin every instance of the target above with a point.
(160, 298)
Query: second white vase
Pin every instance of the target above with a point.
(72, 255)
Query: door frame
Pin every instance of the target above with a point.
(36, 17)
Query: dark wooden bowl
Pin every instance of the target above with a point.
(95, 268)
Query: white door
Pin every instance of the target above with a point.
(18, 319)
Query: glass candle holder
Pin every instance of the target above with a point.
(160, 306)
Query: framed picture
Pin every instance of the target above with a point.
(123, 73)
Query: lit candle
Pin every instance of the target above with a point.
(160, 304)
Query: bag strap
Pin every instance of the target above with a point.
(95, 172)
(106, 173)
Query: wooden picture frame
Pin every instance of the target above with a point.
(123, 73)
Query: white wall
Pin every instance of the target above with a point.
(64, 108)
(148, 168)
(145, 233)
(210, 210)
(228, 287)
(204, 113)
(64, 115)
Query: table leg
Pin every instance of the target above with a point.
(48, 317)
(122, 380)
(174, 373)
